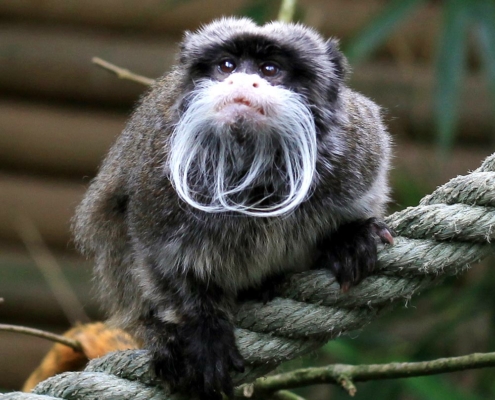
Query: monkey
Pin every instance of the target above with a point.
(250, 159)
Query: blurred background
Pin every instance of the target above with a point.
(430, 64)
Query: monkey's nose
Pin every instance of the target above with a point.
(245, 80)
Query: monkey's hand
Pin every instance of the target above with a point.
(351, 252)
(196, 353)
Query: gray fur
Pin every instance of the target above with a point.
(231, 250)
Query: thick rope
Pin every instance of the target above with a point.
(450, 229)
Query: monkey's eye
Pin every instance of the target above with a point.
(227, 66)
(269, 69)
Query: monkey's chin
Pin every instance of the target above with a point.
(234, 113)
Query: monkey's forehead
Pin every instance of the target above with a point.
(292, 36)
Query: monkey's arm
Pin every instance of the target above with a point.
(100, 231)
(359, 180)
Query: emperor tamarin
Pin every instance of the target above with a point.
(250, 159)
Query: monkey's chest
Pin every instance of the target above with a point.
(240, 257)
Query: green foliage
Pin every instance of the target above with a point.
(458, 17)
(437, 388)
(484, 12)
(375, 33)
(260, 10)
(450, 69)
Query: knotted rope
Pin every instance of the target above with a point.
(449, 230)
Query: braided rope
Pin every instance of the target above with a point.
(449, 230)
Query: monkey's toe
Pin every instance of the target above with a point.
(351, 252)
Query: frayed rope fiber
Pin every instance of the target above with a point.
(449, 230)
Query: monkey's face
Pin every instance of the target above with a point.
(246, 137)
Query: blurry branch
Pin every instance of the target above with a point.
(73, 344)
(51, 270)
(287, 10)
(346, 375)
(122, 73)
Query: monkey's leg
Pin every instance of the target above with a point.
(351, 251)
(195, 350)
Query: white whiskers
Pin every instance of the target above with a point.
(214, 170)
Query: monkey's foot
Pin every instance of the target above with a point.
(198, 357)
(351, 252)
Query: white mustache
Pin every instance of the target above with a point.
(205, 153)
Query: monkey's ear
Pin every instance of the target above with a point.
(183, 46)
(337, 58)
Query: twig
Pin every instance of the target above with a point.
(346, 375)
(73, 344)
(51, 270)
(287, 10)
(122, 73)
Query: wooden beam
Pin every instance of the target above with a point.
(55, 63)
(340, 18)
(62, 141)
(48, 203)
(156, 16)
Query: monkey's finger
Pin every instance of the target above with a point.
(224, 380)
(236, 361)
(381, 229)
(216, 380)
(386, 237)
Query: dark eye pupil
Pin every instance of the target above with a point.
(269, 69)
(227, 66)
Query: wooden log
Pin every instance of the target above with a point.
(29, 301)
(56, 63)
(28, 297)
(48, 203)
(62, 141)
(407, 92)
(341, 18)
(145, 15)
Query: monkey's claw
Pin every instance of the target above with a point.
(351, 252)
(382, 231)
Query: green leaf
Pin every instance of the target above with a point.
(379, 28)
(485, 17)
(343, 351)
(258, 10)
(450, 70)
(437, 388)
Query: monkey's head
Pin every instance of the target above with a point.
(256, 100)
